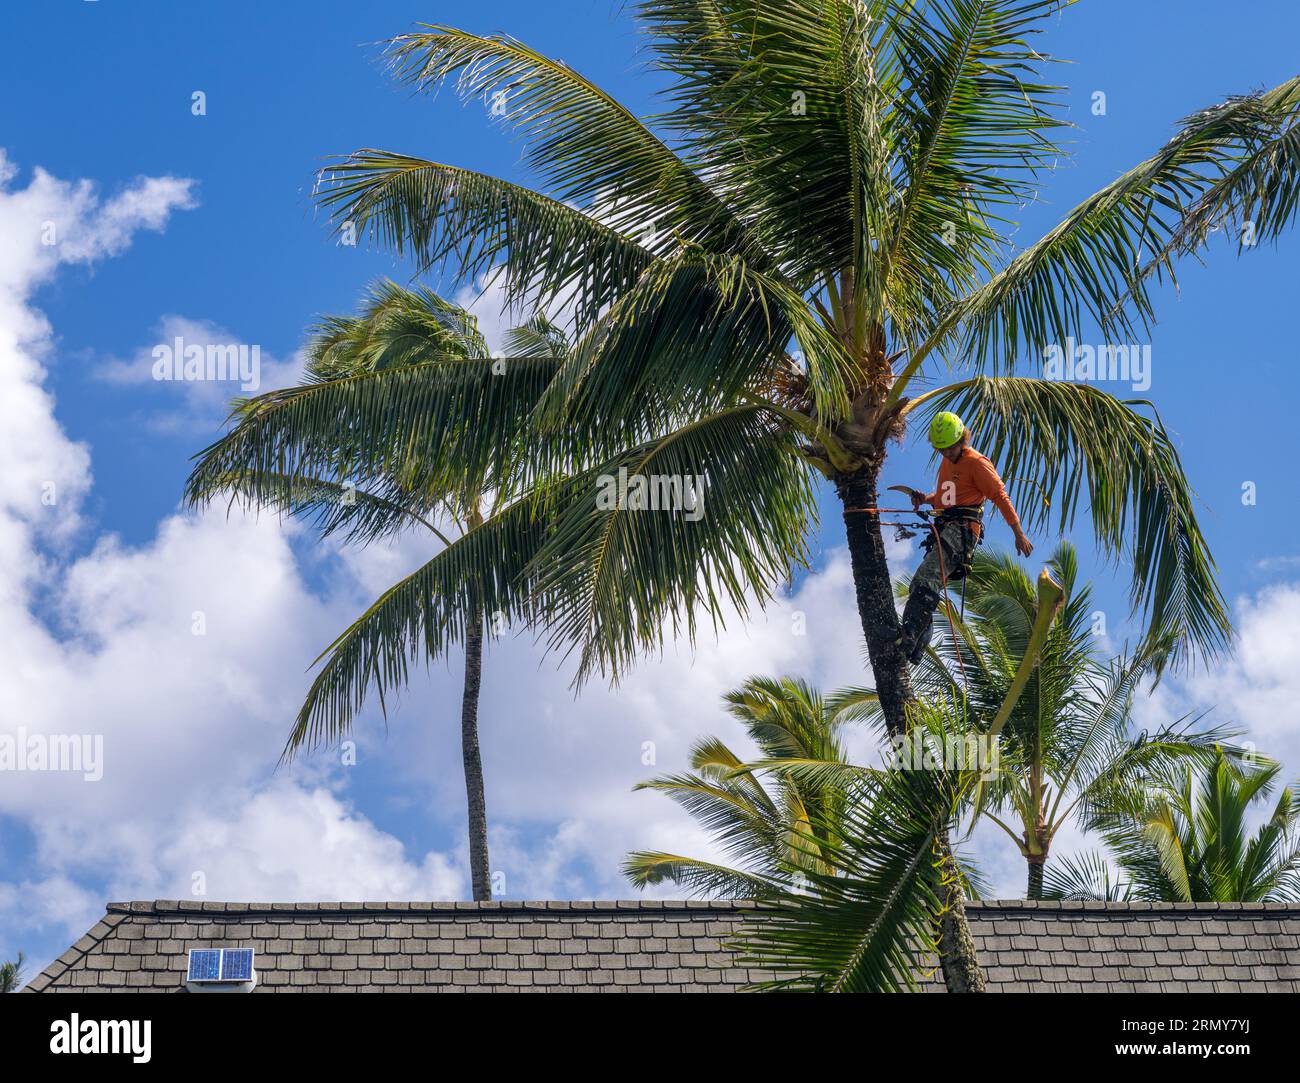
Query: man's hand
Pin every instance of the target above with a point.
(918, 500)
(1023, 545)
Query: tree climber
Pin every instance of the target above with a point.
(966, 480)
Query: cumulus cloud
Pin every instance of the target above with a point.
(288, 842)
(1257, 687)
(174, 653)
(181, 401)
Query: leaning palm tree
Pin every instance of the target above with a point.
(757, 280)
(1187, 839)
(404, 333)
(1070, 741)
(11, 974)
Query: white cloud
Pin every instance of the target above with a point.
(103, 643)
(195, 405)
(287, 842)
(1257, 687)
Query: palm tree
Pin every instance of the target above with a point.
(809, 831)
(1069, 742)
(11, 975)
(867, 915)
(1186, 839)
(404, 333)
(756, 280)
(775, 831)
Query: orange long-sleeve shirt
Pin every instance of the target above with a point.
(970, 481)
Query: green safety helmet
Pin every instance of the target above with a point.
(945, 430)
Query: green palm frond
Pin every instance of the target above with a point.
(1087, 265)
(539, 336)
(11, 974)
(1184, 834)
(592, 149)
(696, 332)
(750, 125)
(868, 925)
(1085, 877)
(396, 326)
(482, 573)
(976, 119)
(619, 579)
(645, 868)
(1263, 189)
(437, 427)
(333, 508)
(436, 213)
(746, 824)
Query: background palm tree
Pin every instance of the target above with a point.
(756, 279)
(11, 975)
(1070, 741)
(775, 824)
(1186, 838)
(817, 839)
(399, 333)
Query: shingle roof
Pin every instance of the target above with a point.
(658, 946)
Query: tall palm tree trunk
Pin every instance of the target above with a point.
(480, 874)
(1034, 890)
(875, 596)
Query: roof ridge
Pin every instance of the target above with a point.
(594, 906)
(598, 906)
(1132, 907)
(184, 906)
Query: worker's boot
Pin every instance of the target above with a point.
(918, 622)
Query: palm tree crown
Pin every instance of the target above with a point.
(1187, 839)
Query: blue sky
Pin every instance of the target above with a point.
(240, 254)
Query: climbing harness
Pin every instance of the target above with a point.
(934, 522)
(969, 517)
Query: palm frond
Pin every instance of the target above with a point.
(333, 508)
(536, 248)
(1259, 196)
(582, 141)
(620, 576)
(446, 426)
(1085, 877)
(481, 574)
(646, 868)
(868, 925)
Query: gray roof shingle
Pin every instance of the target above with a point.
(658, 946)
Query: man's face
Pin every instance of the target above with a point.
(952, 454)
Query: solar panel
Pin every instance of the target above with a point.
(205, 965)
(237, 964)
(221, 965)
